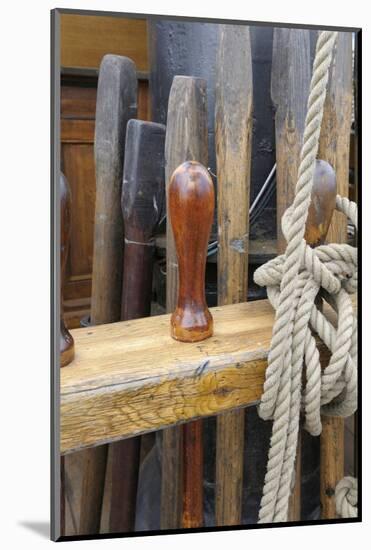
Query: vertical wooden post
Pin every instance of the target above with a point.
(143, 192)
(186, 139)
(294, 511)
(116, 104)
(334, 148)
(67, 350)
(289, 88)
(336, 125)
(332, 463)
(233, 128)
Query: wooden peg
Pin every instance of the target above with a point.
(323, 202)
(191, 202)
(67, 349)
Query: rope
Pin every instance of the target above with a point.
(293, 281)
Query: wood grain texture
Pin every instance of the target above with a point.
(78, 106)
(191, 203)
(191, 211)
(92, 489)
(116, 389)
(116, 104)
(322, 206)
(290, 81)
(233, 129)
(335, 131)
(186, 140)
(291, 73)
(294, 510)
(334, 148)
(143, 192)
(85, 39)
(332, 463)
(67, 350)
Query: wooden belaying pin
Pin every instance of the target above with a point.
(191, 209)
(67, 349)
(322, 205)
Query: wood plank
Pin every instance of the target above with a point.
(131, 377)
(233, 129)
(289, 88)
(114, 367)
(77, 130)
(186, 139)
(85, 39)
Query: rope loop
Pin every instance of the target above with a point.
(346, 498)
(297, 282)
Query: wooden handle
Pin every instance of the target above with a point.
(323, 202)
(67, 350)
(191, 204)
(143, 195)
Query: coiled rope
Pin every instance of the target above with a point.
(293, 281)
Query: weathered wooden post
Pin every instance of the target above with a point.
(67, 349)
(290, 82)
(116, 104)
(233, 126)
(334, 148)
(143, 192)
(186, 139)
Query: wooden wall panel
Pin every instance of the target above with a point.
(86, 38)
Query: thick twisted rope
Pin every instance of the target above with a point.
(293, 281)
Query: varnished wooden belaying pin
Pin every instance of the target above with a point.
(323, 202)
(67, 348)
(191, 209)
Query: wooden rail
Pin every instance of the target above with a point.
(131, 377)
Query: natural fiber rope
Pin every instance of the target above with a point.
(293, 281)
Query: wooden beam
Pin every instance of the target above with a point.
(233, 130)
(131, 377)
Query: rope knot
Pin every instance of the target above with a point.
(326, 273)
(346, 497)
